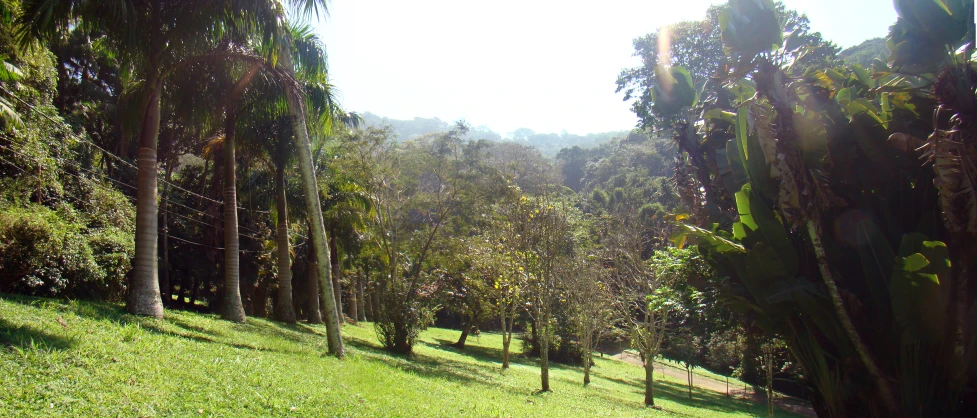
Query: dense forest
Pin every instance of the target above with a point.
(783, 212)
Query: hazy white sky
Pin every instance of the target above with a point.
(543, 65)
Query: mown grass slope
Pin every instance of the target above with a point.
(61, 358)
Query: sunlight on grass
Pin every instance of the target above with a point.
(103, 362)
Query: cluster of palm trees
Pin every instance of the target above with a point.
(263, 67)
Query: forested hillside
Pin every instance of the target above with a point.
(187, 210)
(548, 144)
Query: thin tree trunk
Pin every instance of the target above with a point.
(368, 303)
(337, 292)
(232, 309)
(260, 301)
(360, 301)
(336, 272)
(284, 307)
(506, 339)
(164, 285)
(313, 314)
(352, 301)
(544, 356)
(317, 232)
(814, 230)
(143, 297)
(587, 357)
(688, 372)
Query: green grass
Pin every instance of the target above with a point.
(107, 363)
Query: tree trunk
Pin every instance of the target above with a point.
(352, 301)
(588, 357)
(688, 372)
(260, 301)
(317, 232)
(814, 231)
(232, 309)
(164, 285)
(360, 301)
(649, 381)
(336, 272)
(506, 339)
(368, 303)
(466, 328)
(284, 307)
(544, 356)
(143, 297)
(313, 314)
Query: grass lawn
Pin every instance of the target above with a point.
(102, 362)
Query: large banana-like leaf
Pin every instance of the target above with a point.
(750, 27)
(674, 91)
(919, 302)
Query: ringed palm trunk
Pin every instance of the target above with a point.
(317, 233)
(143, 297)
(232, 309)
(284, 307)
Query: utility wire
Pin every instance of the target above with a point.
(122, 160)
(98, 175)
(130, 198)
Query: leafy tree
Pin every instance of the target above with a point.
(835, 240)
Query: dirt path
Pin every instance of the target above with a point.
(794, 405)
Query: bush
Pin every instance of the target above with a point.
(48, 253)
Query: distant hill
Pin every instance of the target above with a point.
(864, 53)
(549, 144)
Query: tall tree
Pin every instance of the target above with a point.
(158, 38)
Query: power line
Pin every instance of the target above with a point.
(79, 167)
(127, 197)
(106, 152)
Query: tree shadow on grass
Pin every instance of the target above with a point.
(28, 337)
(678, 393)
(485, 354)
(431, 367)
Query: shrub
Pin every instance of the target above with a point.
(47, 252)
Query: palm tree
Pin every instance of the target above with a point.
(158, 38)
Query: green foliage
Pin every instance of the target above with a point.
(813, 240)
(46, 252)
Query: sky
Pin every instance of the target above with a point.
(507, 64)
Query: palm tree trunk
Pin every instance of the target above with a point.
(317, 232)
(143, 297)
(231, 309)
(284, 308)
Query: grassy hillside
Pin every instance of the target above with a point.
(91, 359)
